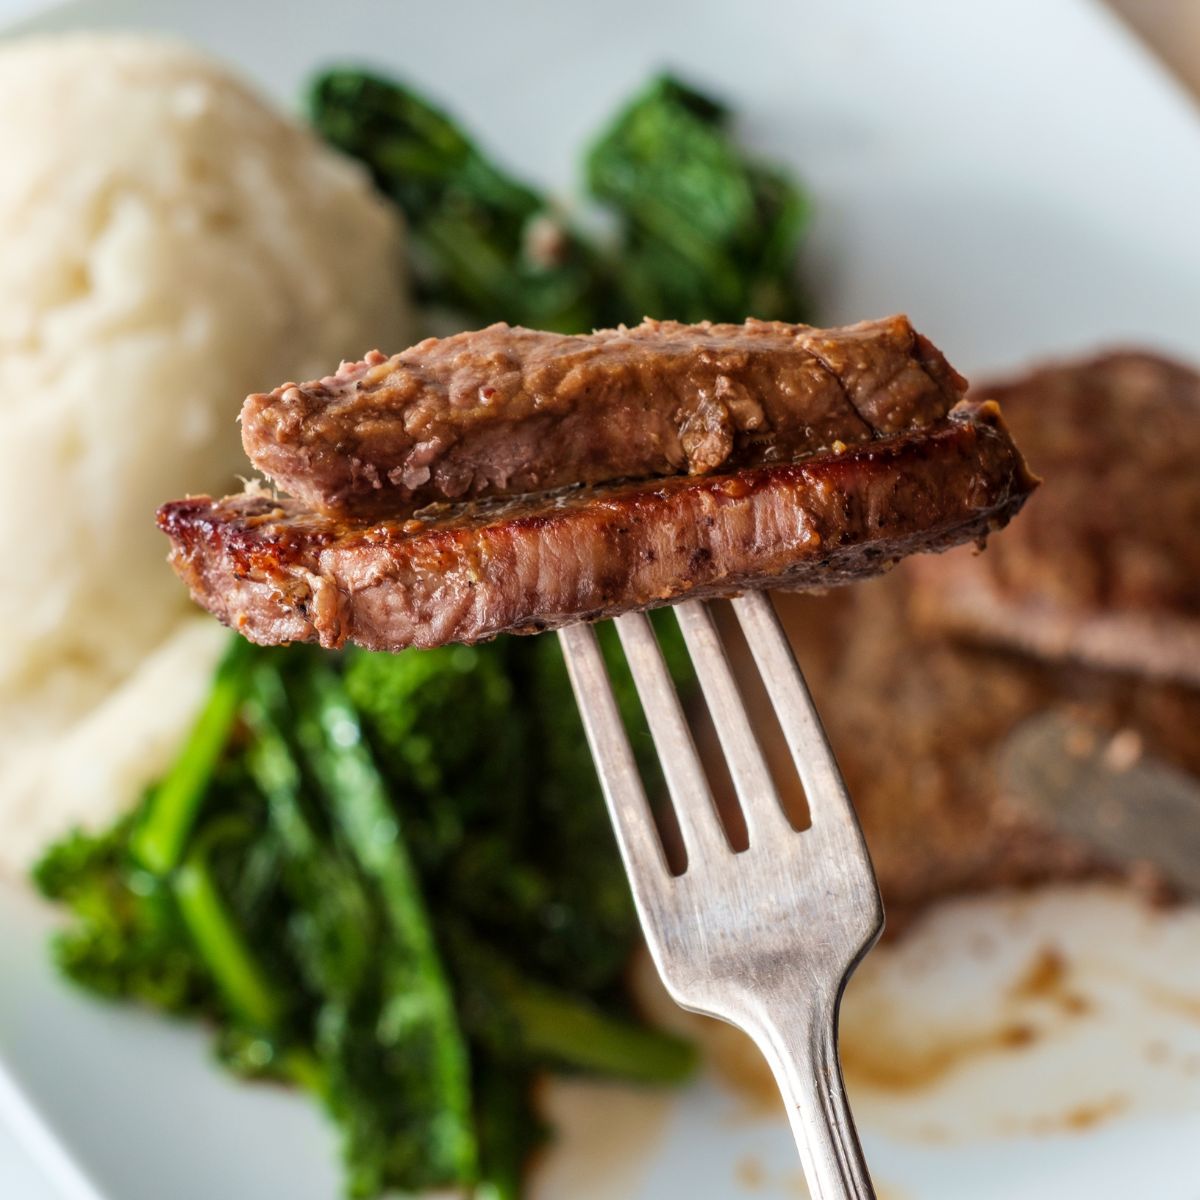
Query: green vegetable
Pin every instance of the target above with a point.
(707, 234)
(395, 887)
(126, 937)
(509, 1128)
(215, 933)
(416, 1049)
(163, 829)
(704, 233)
(333, 924)
(423, 732)
(523, 1019)
(485, 245)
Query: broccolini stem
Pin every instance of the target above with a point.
(303, 1069)
(159, 840)
(272, 765)
(554, 1026)
(331, 738)
(509, 1129)
(220, 945)
(574, 1033)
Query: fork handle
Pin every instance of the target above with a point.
(797, 1032)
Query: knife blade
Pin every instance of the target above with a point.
(1105, 791)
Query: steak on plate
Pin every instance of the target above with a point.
(1104, 567)
(923, 677)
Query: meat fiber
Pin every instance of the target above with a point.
(279, 572)
(506, 411)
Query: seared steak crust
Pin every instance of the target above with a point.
(505, 411)
(279, 573)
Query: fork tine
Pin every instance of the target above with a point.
(633, 823)
(752, 780)
(824, 787)
(692, 798)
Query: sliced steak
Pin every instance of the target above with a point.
(508, 411)
(278, 572)
(922, 720)
(1105, 565)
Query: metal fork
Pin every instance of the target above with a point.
(766, 938)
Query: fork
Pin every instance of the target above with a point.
(764, 938)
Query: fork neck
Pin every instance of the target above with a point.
(796, 1029)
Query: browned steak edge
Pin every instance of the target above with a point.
(278, 573)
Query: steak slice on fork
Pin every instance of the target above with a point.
(506, 411)
(278, 571)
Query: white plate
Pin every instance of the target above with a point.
(1016, 174)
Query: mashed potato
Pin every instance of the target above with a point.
(168, 243)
